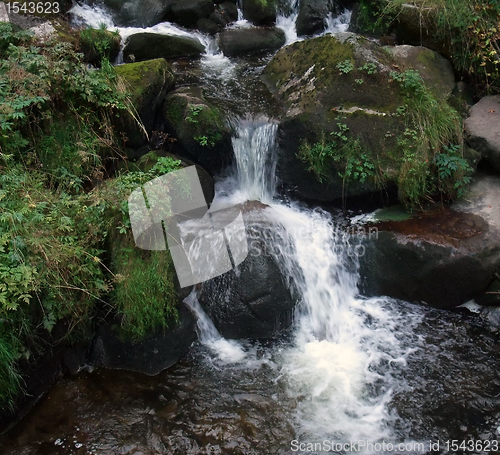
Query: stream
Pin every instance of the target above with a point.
(353, 374)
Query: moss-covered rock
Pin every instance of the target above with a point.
(147, 46)
(345, 113)
(317, 96)
(148, 83)
(97, 44)
(200, 129)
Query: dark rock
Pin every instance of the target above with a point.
(229, 10)
(253, 300)
(444, 258)
(138, 13)
(208, 26)
(151, 355)
(483, 129)
(147, 46)
(312, 16)
(148, 83)
(200, 129)
(188, 12)
(260, 12)
(251, 40)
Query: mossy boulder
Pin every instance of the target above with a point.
(260, 12)
(255, 40)
(148, 46)
(148, 83)
(96, 44)
(200, 129)
(336, 83)
(139, 13)
(434, 69)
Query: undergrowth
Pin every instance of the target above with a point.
(57, 209)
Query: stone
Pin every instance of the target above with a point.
(483, 129)
(443, 257)
(148, 83)
(312, 16)
(260, 12)
(151, 355)
(148, 46)
(344, 79)
(200, 129)
(255, 40)
(253, 300)
(188, 12)
(138, 13)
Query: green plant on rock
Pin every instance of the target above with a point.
(469, 29)
(100, 41)
(194, 112)
(432, 127)
(346, 66)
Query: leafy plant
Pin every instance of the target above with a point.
(193, 113)
(345, 66)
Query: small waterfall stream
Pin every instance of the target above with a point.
(351, 370)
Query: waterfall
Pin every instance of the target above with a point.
(345, 357)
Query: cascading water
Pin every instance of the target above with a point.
(345, 356)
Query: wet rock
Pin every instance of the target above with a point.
(251, 40)
(343, 79)
(188, 12)
(483, 129)
(200, 129)
(260, 12)
(253, 300)
(443, 258)
(147, 46)
(151, 355)
(312, 16)
(208, 26)
(148, 83)
(138, 13)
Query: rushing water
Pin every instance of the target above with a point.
(351, 369)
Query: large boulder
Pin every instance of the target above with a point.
(260, 12)
(252, 300)
(200, 129)
(312, 16)
(188, 12)
(151, 355)
(253, 40)
(147, 46)
(483, 129)
(139, 13)
(147, 82)
(337, 83)
(444, 257)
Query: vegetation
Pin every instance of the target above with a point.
(55, 140)
(428, 159)
(470, 30)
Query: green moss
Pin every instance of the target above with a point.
(144, 292)
(141, 76)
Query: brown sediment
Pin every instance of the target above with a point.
(438, 226)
